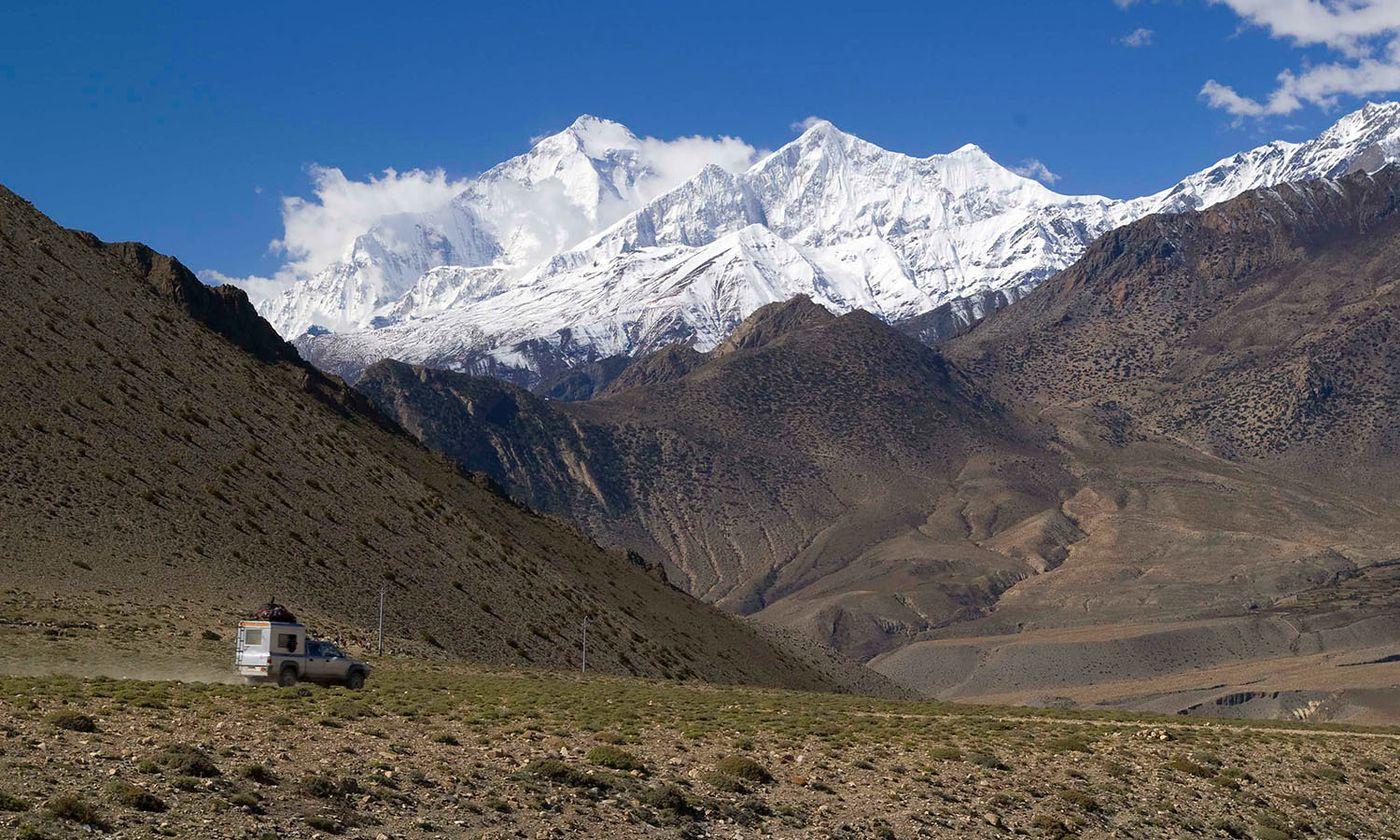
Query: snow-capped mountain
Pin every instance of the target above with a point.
(490, 284)
(509, 219)
(1365, 139)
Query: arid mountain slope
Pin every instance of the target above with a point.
(1262, 330)
(1184, 440)
(164, 454)
(1224, 385)
(805, 449)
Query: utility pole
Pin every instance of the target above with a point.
(381, 620)
(584, 669)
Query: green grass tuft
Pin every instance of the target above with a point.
(11, 803)
(553, 770)
(671, 800)
(187, 760)
(72, 721)
(328, 787)
(325, 824)
(1069, 743)
(71, 808)
(258, 773)
(615, 758)
(136, 797)
(743, 767)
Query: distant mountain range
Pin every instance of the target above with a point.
(491, 283)
(1165, 477)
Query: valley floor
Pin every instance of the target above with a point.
(431, 749)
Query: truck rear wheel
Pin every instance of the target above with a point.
(287, 677)
(355, 680)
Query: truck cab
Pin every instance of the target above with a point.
(327, 663)
(279, 651)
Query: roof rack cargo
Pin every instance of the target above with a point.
(274, 611)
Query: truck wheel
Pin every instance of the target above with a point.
(355, 680)
(287, 677)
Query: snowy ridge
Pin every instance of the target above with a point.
(1365, 139)
(484, 286)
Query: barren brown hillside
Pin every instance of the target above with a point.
(1159, 479)
(1225, 387)
(807, 449)
(1262, 330)
(166, 462)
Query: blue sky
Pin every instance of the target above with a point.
(184, 124)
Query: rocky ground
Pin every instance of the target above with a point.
(444, 750)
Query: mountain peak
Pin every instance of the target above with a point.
(1372, 109)
(772, 321)
(818, 125)
(973, 153)
(584, 121)
(823, 131)
(970, 149)
(1364, 123)
(596, 137)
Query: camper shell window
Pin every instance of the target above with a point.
(253, 636)
(287, 642)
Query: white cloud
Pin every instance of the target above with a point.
(674, 161)
(318, 231)
(1032, 168)
(1140, 37)
(1225, 98)
(1366, 34)
(258, 288)
(1345, 25)
(806, 123)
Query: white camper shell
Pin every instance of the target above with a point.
(268, 649)
(277, 651)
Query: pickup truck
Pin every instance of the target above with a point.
(280, 652)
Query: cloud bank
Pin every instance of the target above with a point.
(1364, 35)
(673, 162)
(321, 229)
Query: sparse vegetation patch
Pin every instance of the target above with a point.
(615, 758)
(134, 796)
(187, 760)
(743, 767)
(72, 721)
(662, 758)
(72, 808)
